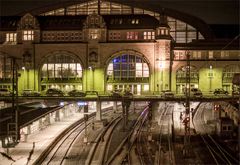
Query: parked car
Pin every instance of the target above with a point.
(30, 92)
(167, 93)
(76, 92)
(195, 92)
(54, 92)
(220, 91)
(5, 92)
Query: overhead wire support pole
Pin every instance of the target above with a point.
(187, 108)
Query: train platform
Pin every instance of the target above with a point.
(27, 151)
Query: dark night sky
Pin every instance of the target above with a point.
(211, 11)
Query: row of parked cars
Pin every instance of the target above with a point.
(49, 92)
(194, 92)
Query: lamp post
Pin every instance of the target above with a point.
(210, 78)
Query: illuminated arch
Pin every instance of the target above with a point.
(128, 69)
(61, 69)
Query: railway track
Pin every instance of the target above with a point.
(57, 151)
(98, 152)
(165, 146)
(217, 153)
(125, 148)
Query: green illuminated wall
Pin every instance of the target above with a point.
(28, 80)
(93, 80)
(207, 83)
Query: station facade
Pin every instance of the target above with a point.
(103, 45)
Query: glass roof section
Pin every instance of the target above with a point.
(180, 31)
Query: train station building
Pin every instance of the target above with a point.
(103, 45)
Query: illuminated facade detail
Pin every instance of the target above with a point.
(5, 71)
(28, 35)
(128, 70)
(84, 41)
(148, 35)
(61, 71)
(181, 78)
(180, 31)
(132, 35)
(94, 28)
(29, 28)
(11, 38)
(227, 76)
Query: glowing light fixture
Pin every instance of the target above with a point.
(81, 103)
(61, 103)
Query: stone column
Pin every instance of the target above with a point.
(40, 122)
(57, 115)
(48, 119)
(29, 131)
(85, 108)
(114, 106)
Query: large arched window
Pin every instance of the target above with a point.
(181, 78)
(62, 71)
(128, 69)
(5, 71)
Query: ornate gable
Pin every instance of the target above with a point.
(28, 22)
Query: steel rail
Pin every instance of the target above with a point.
(57, 140)
(219, 152)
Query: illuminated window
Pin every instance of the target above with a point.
(145, 87)
(61, 66)
(11, 37)
(148, 35)
(210, 54)
(93, 34)
(132, 35)
(109, 87)
(28, 35)
(128, 71)
(128, 66)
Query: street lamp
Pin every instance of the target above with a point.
(210, 75)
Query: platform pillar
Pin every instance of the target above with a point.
(57, 115)
(98, 110)
(29, 129)
(115, 106)
(85, 108)
(48, 119)
(40, 124)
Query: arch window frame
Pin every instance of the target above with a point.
(126, 66)
(61, 68)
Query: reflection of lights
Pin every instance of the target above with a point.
(23, 68)
(81, 103)
(61, 103)
(115, 60)
(210, 66)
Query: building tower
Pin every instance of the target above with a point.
(163, 54)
